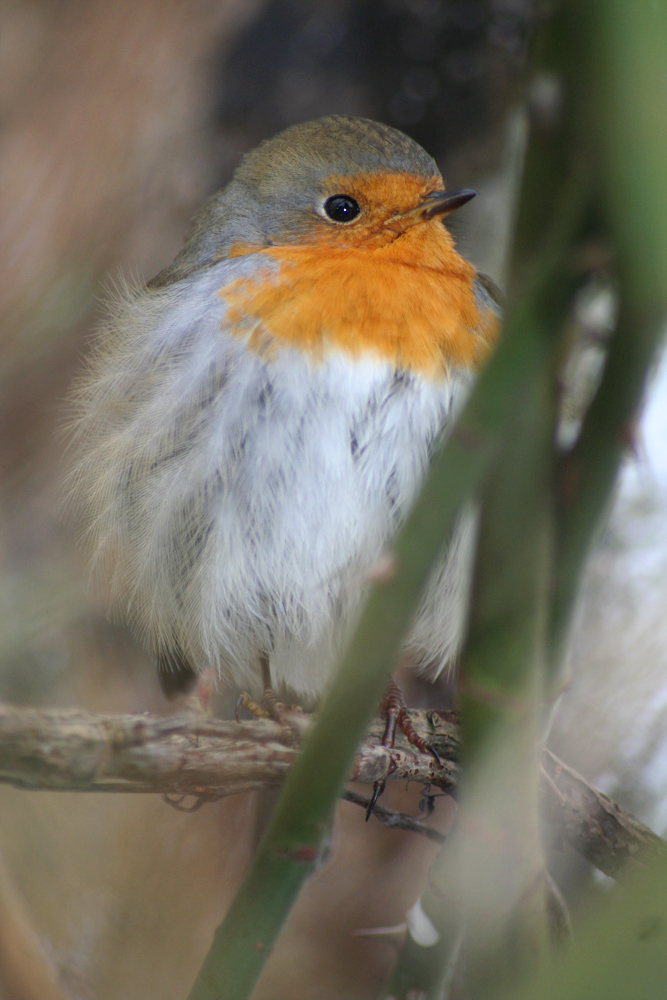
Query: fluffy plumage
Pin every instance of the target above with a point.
(239, 484)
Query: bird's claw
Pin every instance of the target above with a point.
(397, 714)
(254, 707)
(378, 788)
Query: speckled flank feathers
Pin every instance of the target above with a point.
(254, 425)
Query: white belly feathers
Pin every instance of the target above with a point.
(240, 499)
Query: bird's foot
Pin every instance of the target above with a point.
(270, 707)
(278, 710)
(397, 715)
(246, 701)
(289, 717)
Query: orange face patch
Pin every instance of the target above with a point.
(373, 286)
(382, 198)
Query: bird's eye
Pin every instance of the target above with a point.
(342, 208)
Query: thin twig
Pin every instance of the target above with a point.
(393, 819)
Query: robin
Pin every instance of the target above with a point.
(256, 420)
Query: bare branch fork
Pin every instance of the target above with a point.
(194, 755)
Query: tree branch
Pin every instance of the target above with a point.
(193, 755)
(77, 751)
(612, 840)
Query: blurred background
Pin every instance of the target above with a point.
(117, 119)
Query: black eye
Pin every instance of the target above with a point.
(342, 208)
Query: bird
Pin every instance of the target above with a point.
(254, 423)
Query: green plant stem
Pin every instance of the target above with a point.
(503, 658)
(292, 841)
(496, 851)
(630, 124)
(588, 475)
(502, 663)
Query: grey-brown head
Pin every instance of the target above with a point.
(319, 181)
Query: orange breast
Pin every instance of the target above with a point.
(410, 301)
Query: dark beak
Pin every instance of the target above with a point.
(443, 203)
(439, 203)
